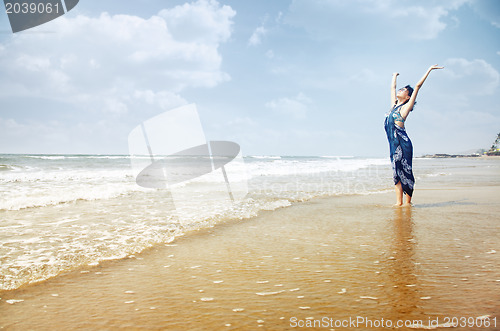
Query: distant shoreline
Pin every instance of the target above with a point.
(442, 156)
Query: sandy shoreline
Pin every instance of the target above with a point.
(335, 257)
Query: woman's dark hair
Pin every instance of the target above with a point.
(409, 89)
(410, 92)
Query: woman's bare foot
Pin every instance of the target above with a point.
(399, 195)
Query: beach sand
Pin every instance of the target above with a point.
(323, 260)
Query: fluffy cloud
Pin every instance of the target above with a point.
(204, 21)
(476, 77)
(108, 62)
(374, 18)
(296, 107)
(85, 84)
(256, 37)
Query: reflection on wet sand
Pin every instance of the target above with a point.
(402, 267)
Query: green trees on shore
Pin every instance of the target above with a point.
(494, 149)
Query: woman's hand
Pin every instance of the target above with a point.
(395, 74)
(435, 67)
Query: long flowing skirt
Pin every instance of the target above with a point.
(401, 158)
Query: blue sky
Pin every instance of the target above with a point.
(298, 77)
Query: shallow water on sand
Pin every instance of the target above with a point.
(63, 212)
(332, 258)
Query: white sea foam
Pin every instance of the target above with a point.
(267, 157)
(43, 184)
(51, 180)
(269, 293)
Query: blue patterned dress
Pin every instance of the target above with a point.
(401, 151)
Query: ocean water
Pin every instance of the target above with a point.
(62, 212)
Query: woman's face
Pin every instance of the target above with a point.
(403, 94)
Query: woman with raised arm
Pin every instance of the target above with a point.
(400, 145)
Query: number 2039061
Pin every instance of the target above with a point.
(32, 8)
(471, 322)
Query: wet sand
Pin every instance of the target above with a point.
(329, 258)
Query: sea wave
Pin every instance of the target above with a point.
(86, 233)
(5, 167)
(64, 213)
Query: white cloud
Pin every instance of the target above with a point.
(257, 35)
(241, 122)
(163, 100)
(297, 106)
(100, 62)
(39, 135)
(363, 76)
(100, 76)
(279, 17)
(428, 19)
(464, 77)
(475, 127)
(371, 18)
(56, 136)
(203, 21)
(115, 106)
(270, 54)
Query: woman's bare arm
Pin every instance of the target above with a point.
(409, 105)
(393, 88)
